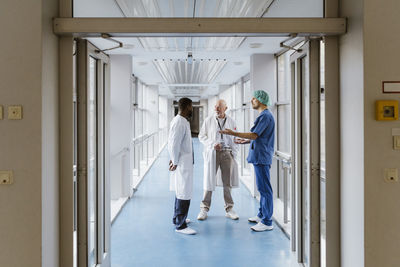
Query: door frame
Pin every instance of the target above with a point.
(311, 51)
(85, 50)
(66, 83)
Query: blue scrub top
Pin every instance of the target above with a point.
(262, 149)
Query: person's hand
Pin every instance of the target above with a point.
(172, 167)
(227, 132)
(218, 146)
(241, 141)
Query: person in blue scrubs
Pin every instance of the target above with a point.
(261, 151)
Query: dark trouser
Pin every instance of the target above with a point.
(266, 195)
(180, 213)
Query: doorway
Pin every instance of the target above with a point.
(92, 193)
(93, 85)
(305, 80)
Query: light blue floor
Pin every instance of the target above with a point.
(143, 234)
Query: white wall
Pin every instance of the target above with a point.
(263, 74)
(204, 104)
(352, 136)
(170, 110)
(211, 104)
(163, 112)
(50, 184)
(120, 123)
(150, 102)
(263, 77)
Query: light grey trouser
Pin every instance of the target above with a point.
(224, 160)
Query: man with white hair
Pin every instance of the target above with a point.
(220, 166)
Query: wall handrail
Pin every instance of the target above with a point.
(284, 157)
(121, 152)
(142, 138)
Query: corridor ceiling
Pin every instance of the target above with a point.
(218, 61)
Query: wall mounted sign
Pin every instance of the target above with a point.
(391, 87)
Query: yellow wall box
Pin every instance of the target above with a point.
(387, 110)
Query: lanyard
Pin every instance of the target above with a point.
(221, 128)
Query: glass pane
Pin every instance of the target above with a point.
(305, 158)
(92, 161)
(322, 145)
(247, 92)
(192, 8)
(283, 92)
(284, 123)
(104, 87)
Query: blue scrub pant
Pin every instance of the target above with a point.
(180, 213)
(264, 187)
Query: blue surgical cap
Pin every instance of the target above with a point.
(262, 96)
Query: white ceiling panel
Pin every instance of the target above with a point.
(217, 60)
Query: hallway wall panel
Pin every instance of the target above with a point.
(382, 200)
(21, 140)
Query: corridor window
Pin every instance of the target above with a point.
(283, 106)
(283, 132)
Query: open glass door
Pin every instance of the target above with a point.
(92, 159)
(306, 152)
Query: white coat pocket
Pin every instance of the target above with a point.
(181, 180)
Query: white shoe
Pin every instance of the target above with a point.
(186, 231)
(254, 219)
(232, 214)
(260, 227)
(202, 215)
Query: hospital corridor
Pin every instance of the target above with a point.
(199, 133)
(143, 233)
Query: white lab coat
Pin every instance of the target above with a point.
(208, 136)
(181, 154)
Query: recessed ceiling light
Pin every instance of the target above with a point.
(255, 45)
(238, 63)
(128, 46)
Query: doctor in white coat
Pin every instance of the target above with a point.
(181, 165)
(220, 153)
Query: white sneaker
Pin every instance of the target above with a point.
(260, 227)
(254, 219)
(232, 214)
(202, 215)
(186, 231)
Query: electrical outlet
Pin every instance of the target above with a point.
(6, 177)
(15, 112)
(391, 176)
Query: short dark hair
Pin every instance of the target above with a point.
(184, 103)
